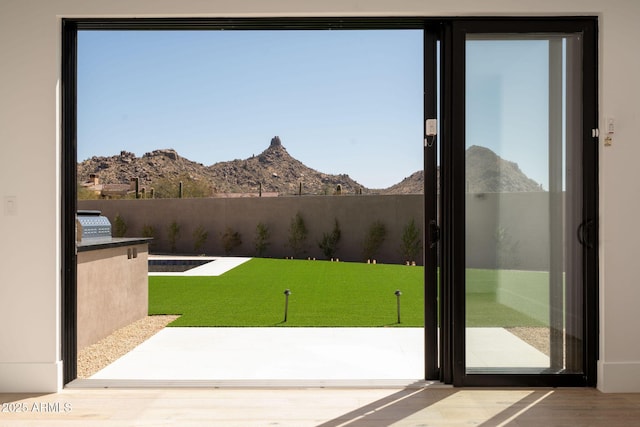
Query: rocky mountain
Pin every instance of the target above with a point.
(413, 184)
(486, 173)
(149, 168)
(489, 173)
(278, 172)
(274, 171)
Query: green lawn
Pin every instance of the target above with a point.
(322, 294)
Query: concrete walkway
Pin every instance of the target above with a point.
(216, 267)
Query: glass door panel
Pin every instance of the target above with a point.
(523, 204)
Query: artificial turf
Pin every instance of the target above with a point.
(322, 294)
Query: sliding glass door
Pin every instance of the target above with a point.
(510, 188)
(525, 176)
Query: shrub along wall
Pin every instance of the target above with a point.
(216, 216)
(509, 231)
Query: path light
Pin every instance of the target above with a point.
(287, 292)
(397, 294)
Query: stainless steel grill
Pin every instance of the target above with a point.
(92, 225)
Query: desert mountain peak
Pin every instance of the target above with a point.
(272, 171)
(275, 171)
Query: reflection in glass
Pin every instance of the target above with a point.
(523, 136)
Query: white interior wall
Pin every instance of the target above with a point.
(30, 173)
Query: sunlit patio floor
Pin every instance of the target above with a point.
(299, 356)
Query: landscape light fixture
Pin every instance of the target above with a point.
(397, 293)
(287, 292)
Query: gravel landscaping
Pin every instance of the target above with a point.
(536, 337)
(93, 358)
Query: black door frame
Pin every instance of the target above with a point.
(441, 362)
(70, 30)
(431, 230)
(68, 128)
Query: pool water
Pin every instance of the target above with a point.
(175, 265)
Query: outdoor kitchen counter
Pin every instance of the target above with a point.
(110, 242)
(112, 285)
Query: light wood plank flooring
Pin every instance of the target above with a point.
(322, 407)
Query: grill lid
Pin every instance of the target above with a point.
(92, 225)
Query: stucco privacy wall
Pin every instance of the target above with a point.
(526, 249)
(30, 173)
(354, 214)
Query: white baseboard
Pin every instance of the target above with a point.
(30, 377)
(619, 377)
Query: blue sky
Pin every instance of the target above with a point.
(341, 101)
(508, 102)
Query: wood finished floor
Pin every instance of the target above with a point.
(322, 407)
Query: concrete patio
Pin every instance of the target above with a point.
(297, 356)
